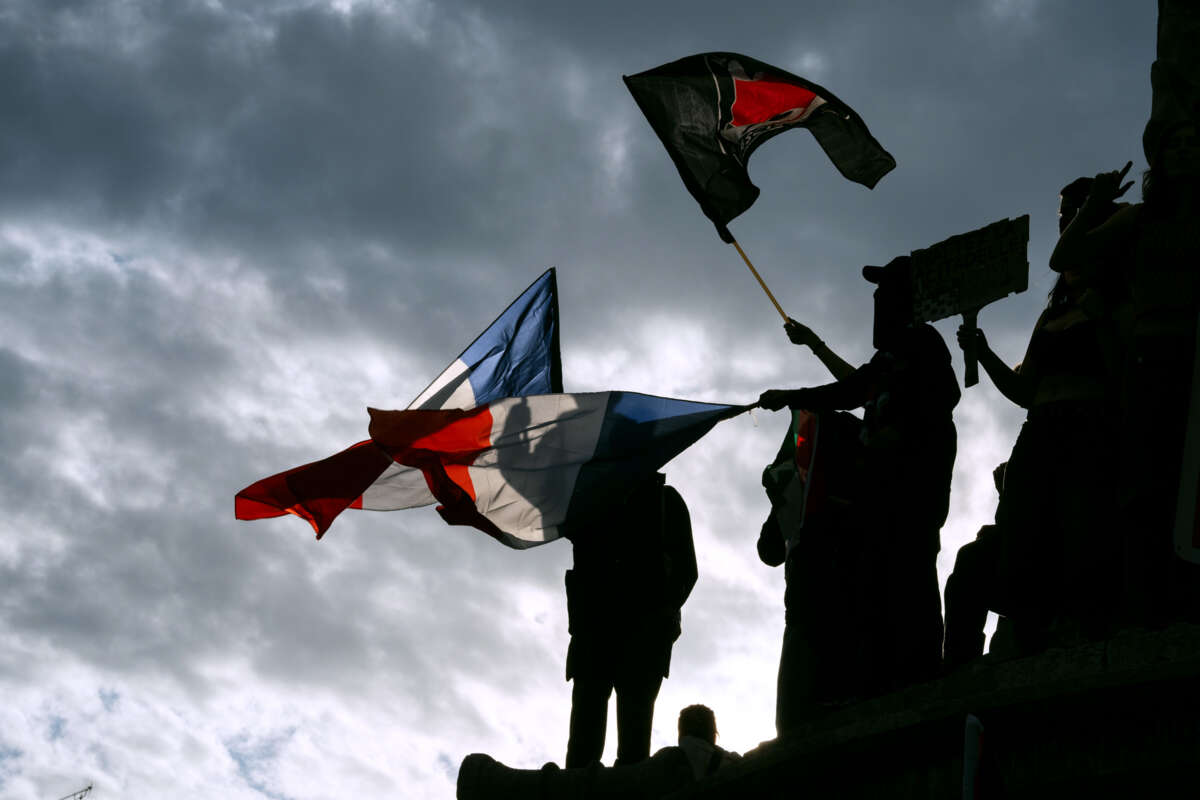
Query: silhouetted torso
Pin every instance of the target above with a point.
(908, 392)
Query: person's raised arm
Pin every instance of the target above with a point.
(849, 392)
(799, 333)
(1086, 242)
(1016, 387)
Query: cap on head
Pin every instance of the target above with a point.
(896, 270)
(893, 299)
(874, 274)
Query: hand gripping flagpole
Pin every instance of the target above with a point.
(758, 277)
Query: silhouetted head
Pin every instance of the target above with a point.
(1174, 166)
(893, 299)
(1070, 200)
(698, 721)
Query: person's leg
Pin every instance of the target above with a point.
(635, 714)
(1083, 490)
(1030, 552)
(794, 690)
(589, 717)
(795, 686)
(915, 614)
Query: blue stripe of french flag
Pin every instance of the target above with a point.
(516, 355)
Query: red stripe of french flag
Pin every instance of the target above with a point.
(442, 444)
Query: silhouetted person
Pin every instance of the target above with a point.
(1153, 250)
(1054, 539)
(811, 530)
(974, 587)
(908, 392)
(698, 740)
(634, 566)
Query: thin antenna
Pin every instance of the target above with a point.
(82, 793)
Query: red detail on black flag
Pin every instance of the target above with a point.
(763, 99)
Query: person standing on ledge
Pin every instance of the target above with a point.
(634, 567)
(908, 392)
(1055, 542)
(1152, 250)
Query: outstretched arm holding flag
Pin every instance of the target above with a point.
(799, 333)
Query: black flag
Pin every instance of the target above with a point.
(713, 109)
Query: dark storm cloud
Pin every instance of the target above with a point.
(282, 122)
(306, 136)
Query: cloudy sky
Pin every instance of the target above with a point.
(228, 227)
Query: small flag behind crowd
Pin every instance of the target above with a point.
(713, 109)
(517, 354)
(518, 469)
(787, 479)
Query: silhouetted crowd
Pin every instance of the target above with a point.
(1084, 542)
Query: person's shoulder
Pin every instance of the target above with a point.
(923, 337)
(926, 331)
(1049, 313)
(1127, 214)
(1124, 224)
(672, 497)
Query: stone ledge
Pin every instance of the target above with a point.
(1115, 713)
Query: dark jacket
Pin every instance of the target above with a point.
(908, 392)
(633, 571)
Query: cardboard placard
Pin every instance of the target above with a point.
(970, 270)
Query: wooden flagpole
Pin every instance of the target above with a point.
(758, 277)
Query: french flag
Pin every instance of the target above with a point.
(520, 469)
(517, 354)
